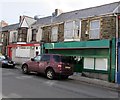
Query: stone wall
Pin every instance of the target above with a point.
(46, 34)
(47, 31)
(107, 27)
(61, 32)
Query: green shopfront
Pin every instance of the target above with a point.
(95, 58)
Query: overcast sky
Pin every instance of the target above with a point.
(10, 10)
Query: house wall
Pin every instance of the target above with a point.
(22, 59)
(47, 31)
(46, 34)
(107, 27)
(29, 35)
(61, 32)
(5, 42)
(39, 35)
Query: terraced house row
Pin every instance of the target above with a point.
(90, 35)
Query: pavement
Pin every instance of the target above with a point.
(96, 82)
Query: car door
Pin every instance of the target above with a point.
(44, 62)
(34, 64)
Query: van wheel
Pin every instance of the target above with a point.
(50, 74)
(25, 69)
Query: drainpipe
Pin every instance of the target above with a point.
(116, 50)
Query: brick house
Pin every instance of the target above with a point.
(5, 34)
(2, 24)
(89, 35)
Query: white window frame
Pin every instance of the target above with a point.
(91, 34)
(72, 36)
(54, 35)
(96, 63)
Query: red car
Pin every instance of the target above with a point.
(50, 64)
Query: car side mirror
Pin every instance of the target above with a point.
(32, 59)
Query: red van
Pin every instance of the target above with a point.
(51, 65)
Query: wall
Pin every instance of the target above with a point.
(20, 60)
(29, 34)
(47, 31)
(61, 32)
(46, 34)
(107, 27)
(39, 34)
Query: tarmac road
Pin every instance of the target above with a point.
(18, 85)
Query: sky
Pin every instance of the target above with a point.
(10, 10)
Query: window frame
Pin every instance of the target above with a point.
(92, 29)
(74, 30)
(54, 33)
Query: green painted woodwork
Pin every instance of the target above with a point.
(113, 61)
(95, 49)
(82, 44)
(82, 52)
(95, 71)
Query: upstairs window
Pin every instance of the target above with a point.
(94, 29)
(72, 30)
(54, 35)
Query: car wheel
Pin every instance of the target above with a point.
(50, 74)
(25, 69)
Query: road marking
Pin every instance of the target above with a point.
(24, 77)
(50, 82)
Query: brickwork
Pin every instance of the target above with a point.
(61, 32)
(107, 27)
(46, 34)
(47, 31)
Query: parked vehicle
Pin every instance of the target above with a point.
(51, 65)
(5, 61)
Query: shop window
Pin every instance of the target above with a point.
(96, 63)
(101, 64)
(94, 32)
(89, 63)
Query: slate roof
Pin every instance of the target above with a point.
(10, 27)
(83, 13)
